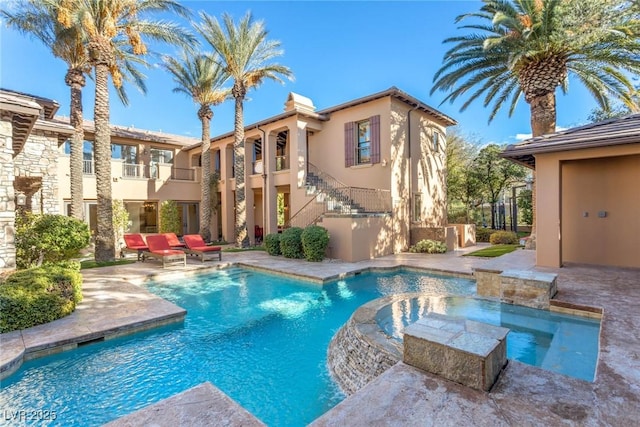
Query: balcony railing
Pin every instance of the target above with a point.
(281, 163)
(132, 170)
(182, 174)
(88, 167)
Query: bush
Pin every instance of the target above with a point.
(291, 243)
(39, 295)
(484, 234)
(272, 244)
(504, 238)
(428, 246)
(170, 217)
(48, 238)
(314, 242)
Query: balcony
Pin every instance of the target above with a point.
(181, 174)
(132, 170)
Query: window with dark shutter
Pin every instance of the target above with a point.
(375, 139)
(349, 144)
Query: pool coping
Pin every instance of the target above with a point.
(399, 373)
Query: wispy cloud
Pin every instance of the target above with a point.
(523, 136)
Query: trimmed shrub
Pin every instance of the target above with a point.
(504, 238)
(48, 238)
(314, 242)
(272, 244)
(484, 234)
(39, 295)
(170, 217)
(428, 246)
(291, 243)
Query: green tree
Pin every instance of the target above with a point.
(524, 206)
(246, 55)
(527, 47)
(170, 217)
(463, 189)
(201, 77)
(111, 30)
(495, 174)
(121, 222)
(39, 19)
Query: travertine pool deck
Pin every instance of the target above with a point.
(403, 395)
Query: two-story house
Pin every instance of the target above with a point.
(368, 170)
(371, 171)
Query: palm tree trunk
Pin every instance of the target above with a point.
(76, 81)
(205, 114)
(543, 121)
(105, 238)
(242, 236)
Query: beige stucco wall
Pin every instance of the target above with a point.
(129, 188)
(360, 238)
(591, 180)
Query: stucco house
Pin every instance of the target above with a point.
(369, 170)
(588, 193)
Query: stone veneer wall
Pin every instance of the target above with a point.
(354, 361)
(39, 158)
(7, 198)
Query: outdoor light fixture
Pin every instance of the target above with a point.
(21, 199)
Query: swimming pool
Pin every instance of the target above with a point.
(260, 338)
(553, 341)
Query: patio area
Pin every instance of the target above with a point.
(114, 304)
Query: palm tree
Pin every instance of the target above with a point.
(110, 28)
(40, 20)
(201, 77)
(530, 47)
(246, 54)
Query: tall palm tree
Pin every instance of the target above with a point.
(201, 77)
(40, 20)
(246, 53)
(530, 47)
(110, 28)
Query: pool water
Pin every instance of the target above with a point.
(556, 342)
(260, 338)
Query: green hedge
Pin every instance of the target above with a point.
(484, 234)
(428, 246)
(48, 238)
(314, 242)
(504, 238)
(291, 243)
(272, 244)
(39, 295)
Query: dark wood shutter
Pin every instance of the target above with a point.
(349, 144)
(375, 139)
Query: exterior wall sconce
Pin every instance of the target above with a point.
(21, 199)
(383, 163)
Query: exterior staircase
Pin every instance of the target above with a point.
(330, 196)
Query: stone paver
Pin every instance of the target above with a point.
(202, 405)
(403, 395)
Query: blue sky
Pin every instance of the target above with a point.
(337, 51)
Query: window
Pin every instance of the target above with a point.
(417, 207)
(436, 141)
(363, 150)
(87, 155)
(128, 153)
(362, 142)
(159, 155)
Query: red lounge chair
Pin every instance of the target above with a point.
(134, 243)
(173, 240)
(159, 248)
(197, 246)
